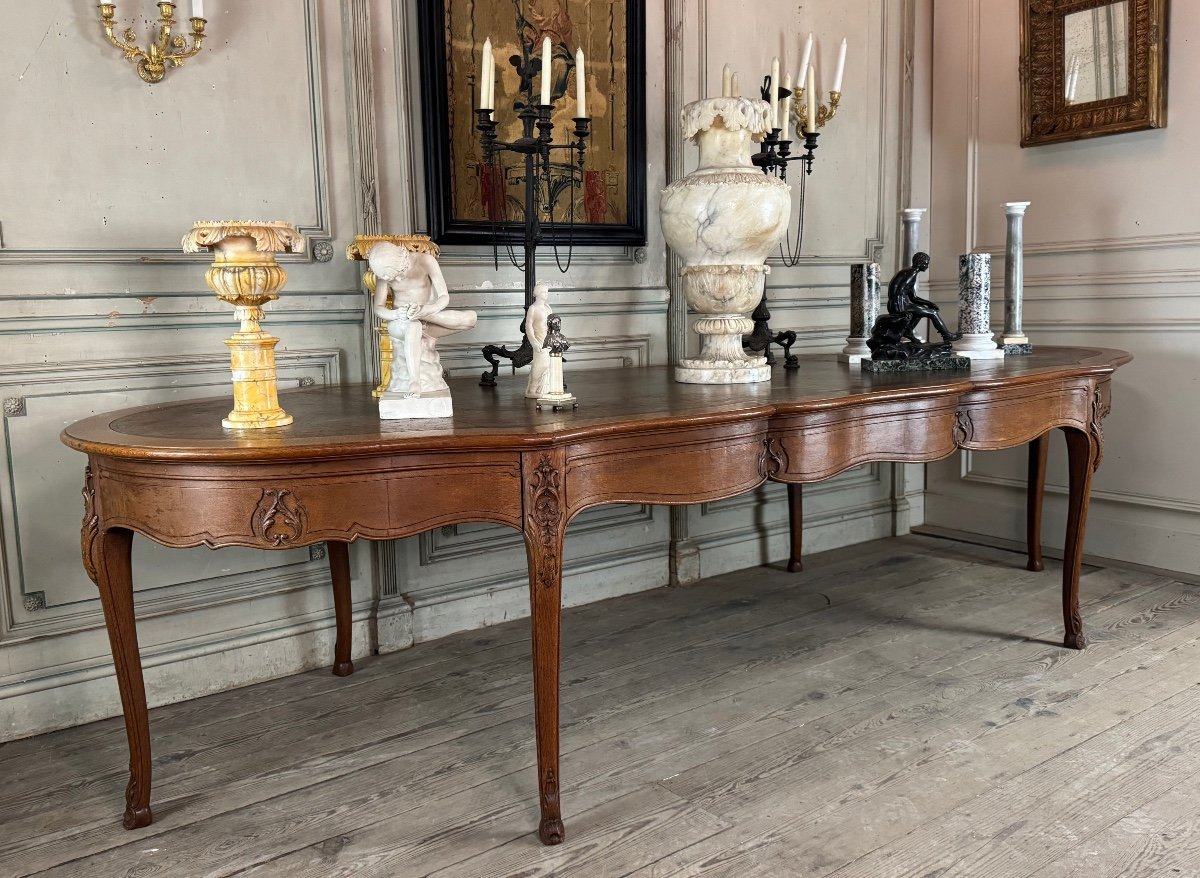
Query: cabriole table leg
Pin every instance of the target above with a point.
(107, 558)
(796, 525)
(1083, 457)
(339, 571)
(1034, 498)
(544, 526)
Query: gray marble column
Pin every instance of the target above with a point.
(911, 241)
(864, 309)
(1014, 339)
(912, 234)
(974, 308)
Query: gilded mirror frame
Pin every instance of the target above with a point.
(1046, 114)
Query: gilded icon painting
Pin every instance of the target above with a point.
(602, 202)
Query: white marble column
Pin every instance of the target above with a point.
(864, 309)
(1014, 340)
(974, 308)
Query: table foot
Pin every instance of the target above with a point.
(1035, 566)
(795, 565)
(136, 818)
(551, 831)
(343, 669)
(1075, 641)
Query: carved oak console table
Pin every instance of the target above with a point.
(171, 473)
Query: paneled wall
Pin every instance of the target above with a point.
(1112, 247)
(320, 125)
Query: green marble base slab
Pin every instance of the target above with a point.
(932, 364)
(1018, 350)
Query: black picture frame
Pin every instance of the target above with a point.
(444, 227)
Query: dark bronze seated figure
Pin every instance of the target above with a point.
(893, 337)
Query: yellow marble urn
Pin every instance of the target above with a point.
(245, 274)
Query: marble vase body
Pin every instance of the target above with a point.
(974, 308)
(723, 220)
(864, 309)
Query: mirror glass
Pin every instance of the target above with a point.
(1096, 53)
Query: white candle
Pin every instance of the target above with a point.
(546, 72)
(775, 92)
(580, 87)
(485, 72)
(197, 8)
(810, 91)
(733, 87)
(787, 108)
(726, 82)
(806, 57)
(841, 67)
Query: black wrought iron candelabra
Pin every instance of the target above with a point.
(537, 149)
(773, 156)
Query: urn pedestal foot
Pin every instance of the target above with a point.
(722, 372)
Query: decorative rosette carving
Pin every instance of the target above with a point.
(735, 114)
(275, 236)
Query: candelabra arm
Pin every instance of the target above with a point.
(825, 113)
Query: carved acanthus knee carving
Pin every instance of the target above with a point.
(91, 524)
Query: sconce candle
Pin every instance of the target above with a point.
(197, 8)
(805, 58)
(810, 92)
(735, 90)
(726, 82)
(841, 67)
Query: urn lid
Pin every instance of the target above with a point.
(736, 114)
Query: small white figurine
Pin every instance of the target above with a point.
(556, 343)
(535, 330)
(417, 388)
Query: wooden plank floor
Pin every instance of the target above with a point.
(899, 710)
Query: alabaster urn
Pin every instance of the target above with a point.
(245, 274)
(359, 251)
(723, 220)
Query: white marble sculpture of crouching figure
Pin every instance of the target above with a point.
(420, 317)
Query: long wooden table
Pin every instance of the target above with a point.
(173, 474)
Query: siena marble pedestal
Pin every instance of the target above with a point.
(398, 406)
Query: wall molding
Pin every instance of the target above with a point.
(76, 381)
(1103, 245)
(320, 226)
